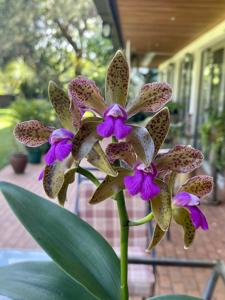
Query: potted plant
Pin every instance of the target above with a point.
(84, 266)
(36, 109)
(213, 141)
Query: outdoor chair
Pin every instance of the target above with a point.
(104, 218)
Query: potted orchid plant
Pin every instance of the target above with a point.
(84, 265)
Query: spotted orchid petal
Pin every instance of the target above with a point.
(161, 206)
(158, 127)
(181, 159)
(117, 80)
(109, 187)
(142, 143)
(85, 139)
(157, 236)
(122, 151)
(69, 178)
(76, 114)
(182, 217)
(200, 185)
(98, 158)
(86, 95)
(53, 179)
(152, 97)
(32, 133)
(61, 103)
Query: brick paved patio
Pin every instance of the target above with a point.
(208, 245)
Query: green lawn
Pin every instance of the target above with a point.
(8, 145)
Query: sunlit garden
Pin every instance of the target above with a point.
(112, 150)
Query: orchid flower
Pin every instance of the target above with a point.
(115, 111)
(185, 209)
(74, 141)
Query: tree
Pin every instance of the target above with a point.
(56, 38)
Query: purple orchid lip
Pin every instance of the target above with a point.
(191, 202)
(61, 145)
(142, 182)
(114, 123)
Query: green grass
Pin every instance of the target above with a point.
(8, 145)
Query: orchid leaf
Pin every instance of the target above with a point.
(181, 159)
(97, 158)
(53, 179)
(86, 94)
(109, 187)
(69, 178)
(32, 133)
(142, 143)
(182, 217)
(61, 103)
(64, 237)
(39, 280)
(161, 206)
(152, 97)
(85, 139)
(200, 185)
(117, 79)
(158, 127)
(122, 151)
(157, 236)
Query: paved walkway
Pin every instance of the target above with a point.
(208, 245)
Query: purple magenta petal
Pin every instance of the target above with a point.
(50, 155)
(105, 129)
(60, 134)
(41, 175)
(63, 149)
(133, 183)
(185, 198)
(121, 130)
(198, 218)
(149, 188)
(116, 111)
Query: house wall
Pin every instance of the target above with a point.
(196, 48)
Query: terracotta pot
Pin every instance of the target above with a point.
(18, 161)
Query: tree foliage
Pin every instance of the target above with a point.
(57, 39)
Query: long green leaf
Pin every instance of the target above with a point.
(39, 280)
(74, 245)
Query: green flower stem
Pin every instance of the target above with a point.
(144, 220)
(88, 174)
(124, 234)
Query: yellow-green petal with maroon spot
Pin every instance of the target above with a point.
(142, 143)
(61, 103)
(122, 151)
(182, 217)
(161, 205)
(53, 179)
(200, 185)
(32, 133)
(97, 158)
(152, 97)
(69, 178)
(110, 186)
(157, 236)
(117, 79)
(86, 94)
(181, 159)
(85, 139)
(158, 127)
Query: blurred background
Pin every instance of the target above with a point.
(178, 41)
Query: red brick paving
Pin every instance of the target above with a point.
(207, 245)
